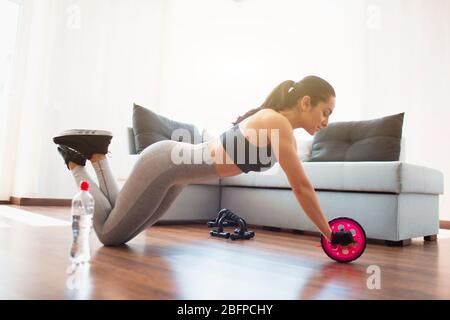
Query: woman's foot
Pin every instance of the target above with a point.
(85, 142)
(72, 158)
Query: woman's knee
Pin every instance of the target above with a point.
(110, 240)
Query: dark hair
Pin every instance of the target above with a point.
(287, 93)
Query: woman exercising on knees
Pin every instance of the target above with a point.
(157, 179)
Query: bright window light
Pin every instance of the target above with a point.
(9, 15)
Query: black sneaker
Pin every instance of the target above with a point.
(69, 154)
(86, 142)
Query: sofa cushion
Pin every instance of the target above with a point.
(371, 176)
(369, 140)
(150, 127)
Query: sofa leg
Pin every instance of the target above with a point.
(430, 238)
(400, 243)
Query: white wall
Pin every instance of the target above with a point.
(222, 58)
(408, 68)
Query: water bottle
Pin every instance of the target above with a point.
(82, 212)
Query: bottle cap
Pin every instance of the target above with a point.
(84, 185)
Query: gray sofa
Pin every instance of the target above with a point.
(394, 201)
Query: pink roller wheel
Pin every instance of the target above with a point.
(345, 253)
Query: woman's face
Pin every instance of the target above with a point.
(314, 118)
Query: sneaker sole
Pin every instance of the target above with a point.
(84, 132)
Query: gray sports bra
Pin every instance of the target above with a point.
(253, 158)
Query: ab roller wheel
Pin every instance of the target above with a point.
(345, 253)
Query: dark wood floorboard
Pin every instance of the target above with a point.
(184, 262)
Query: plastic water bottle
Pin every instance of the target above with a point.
(82, 212)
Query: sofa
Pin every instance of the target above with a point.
(393, 200)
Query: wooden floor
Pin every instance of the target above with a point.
(184, 262)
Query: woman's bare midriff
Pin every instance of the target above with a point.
(223, 164)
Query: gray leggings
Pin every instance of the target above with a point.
(153, 185)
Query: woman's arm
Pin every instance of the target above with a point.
(285, 152)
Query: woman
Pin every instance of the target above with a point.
(156, 179)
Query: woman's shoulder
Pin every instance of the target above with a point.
(269, 118)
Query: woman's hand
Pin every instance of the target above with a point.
(343, 238)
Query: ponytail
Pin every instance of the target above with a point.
(287, 93)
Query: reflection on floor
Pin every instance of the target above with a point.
(184, 262)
